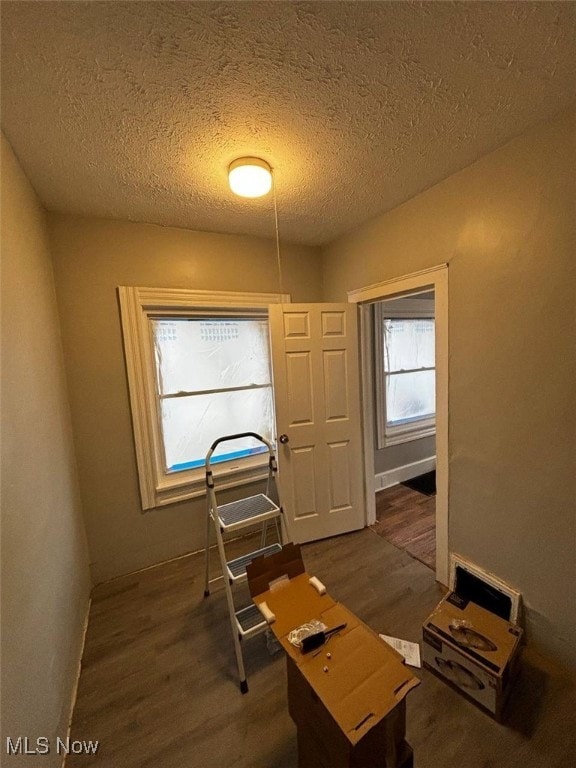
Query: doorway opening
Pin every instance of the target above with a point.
(404, 364)
(414, 424)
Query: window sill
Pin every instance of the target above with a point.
(170, 491)
(406, 436)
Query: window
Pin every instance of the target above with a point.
(213, 378)
(198, 368)
(405, 362)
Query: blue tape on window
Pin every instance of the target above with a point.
(217, 459)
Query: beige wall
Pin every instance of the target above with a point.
(505, 225)
(45, 577)
(92, 257)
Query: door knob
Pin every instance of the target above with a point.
(284, 439)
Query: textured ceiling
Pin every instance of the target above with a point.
(134, 110)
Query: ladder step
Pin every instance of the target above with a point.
(240, 514)
(237, 567)
(250, 621)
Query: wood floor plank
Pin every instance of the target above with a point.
(407, 519)
(158, 686)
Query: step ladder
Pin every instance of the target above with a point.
(235, 517)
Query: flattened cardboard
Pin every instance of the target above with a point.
(484, 671)
(363, 679)
(293, 602)
(264, 570)
(363, 682)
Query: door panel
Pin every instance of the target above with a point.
(303, 482)
(335, 394)
(339, 469)
(296, 325)
(316, 385)
(299, 375)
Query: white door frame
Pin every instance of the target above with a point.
(434, 278)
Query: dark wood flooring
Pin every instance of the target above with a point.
(407, 519)
(158, 686)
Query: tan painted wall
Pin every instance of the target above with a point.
(505, 225)
(45, 576)
(92, 257)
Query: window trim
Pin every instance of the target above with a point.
(402, 433)
(137, 305)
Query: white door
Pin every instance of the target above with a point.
(318, 418)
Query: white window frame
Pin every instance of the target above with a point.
(402, 433)
(137, 307)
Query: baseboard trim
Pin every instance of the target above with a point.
(79, 670)
(405, 472)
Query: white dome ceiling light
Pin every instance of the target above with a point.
(250, 177)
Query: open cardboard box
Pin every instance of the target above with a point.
(346, 697)
(473, 650)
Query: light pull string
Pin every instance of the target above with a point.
(277, 235)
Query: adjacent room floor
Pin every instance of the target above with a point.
(159, 689)
(407, 519)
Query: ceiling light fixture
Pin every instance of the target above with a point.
(250, 177)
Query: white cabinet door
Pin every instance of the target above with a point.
(318, 418)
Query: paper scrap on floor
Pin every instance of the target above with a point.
(410, 651)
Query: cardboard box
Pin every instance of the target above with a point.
(315, 751)
(346, 697)
(323, 744)
(472, 650)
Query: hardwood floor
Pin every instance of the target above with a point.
(158, 685)
(407, 519)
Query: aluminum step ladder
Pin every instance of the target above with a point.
(258, 510)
